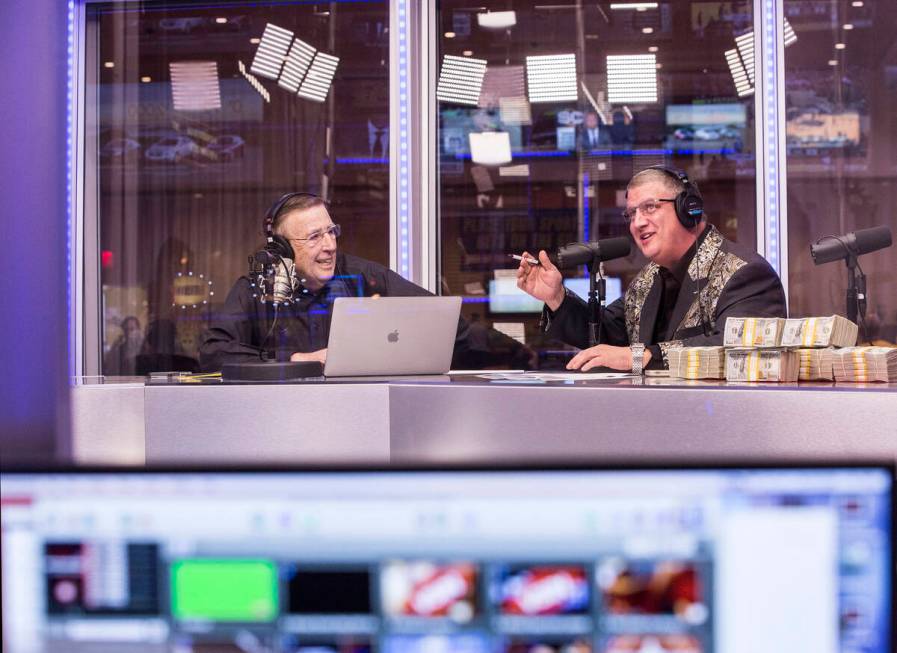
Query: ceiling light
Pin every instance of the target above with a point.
(449, 35)
(857, 3)
(788, 35)
(254, 82)
(497, 19)
(146, 80)
(296, 65)
(194, 85)
(839, 46)
(832, 62)
(221, 20)
(502, 82)
(638, 6)
(552, 78)
(490, 148)
(460, 80)
(255, 41)
(468, 53)
(317, 82)
(631, 78)
(271, 52)
(848, 26)
(743, 85)
(653, 48)
(109, 64)
(647, 30)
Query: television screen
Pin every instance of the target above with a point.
(729, 559)
(705, 125)
(506, 297)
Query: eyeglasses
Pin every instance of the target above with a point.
(648, 207)
(315, 238)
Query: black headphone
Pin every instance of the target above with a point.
(277, 244)
(689, 203)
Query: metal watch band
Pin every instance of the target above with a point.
(638, 357)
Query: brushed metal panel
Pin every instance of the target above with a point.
(108, 424)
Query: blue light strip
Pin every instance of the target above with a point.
(404, 140)
(770, 109)
(69, 205)
(540, 154)
(585, 207)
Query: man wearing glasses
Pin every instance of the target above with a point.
(695, 279)
(246, 329)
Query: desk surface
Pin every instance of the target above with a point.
(472, 419)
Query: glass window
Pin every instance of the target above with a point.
(191, 147)
(575, 98)
(841, 90)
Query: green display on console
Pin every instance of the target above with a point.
(211, 589)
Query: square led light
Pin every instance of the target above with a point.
(194, 85)
(739, 75)
(631, 78)
(461, 80)
(502, 82)
(497, 19)
(296, 65)
(490, 148)
(271, 52)
(316, 84)
(551, 78)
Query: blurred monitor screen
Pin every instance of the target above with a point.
(807, 128)
(563, 561)
(706, 125)
(506, 297)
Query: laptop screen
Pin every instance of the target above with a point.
(576, 561)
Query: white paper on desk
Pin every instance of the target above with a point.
(577, 376)
(555, 376)
(484, 372)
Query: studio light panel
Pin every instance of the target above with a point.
(272, 51)
(194, 85)
(296, 65)
(551, 78)
(739, 75)
(632, 79)
(317, 82)
(461, 80)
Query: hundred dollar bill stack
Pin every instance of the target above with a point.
(816, 364)
(697, 362)
(864, 364)
(831, 331)
(753, 331)
(752, 364)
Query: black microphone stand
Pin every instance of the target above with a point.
(597, 297)
(856, 289)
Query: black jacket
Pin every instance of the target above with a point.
(241, 330)
(733, 280)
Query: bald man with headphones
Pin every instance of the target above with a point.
(695, 279)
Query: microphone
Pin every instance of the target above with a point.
(861, 241)
(569, 256)
(272, 272)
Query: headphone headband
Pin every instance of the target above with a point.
(273, 211)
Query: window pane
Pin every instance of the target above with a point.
(841, 90)
(576, 98)
(192, 148)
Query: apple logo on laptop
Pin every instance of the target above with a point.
(393, 336)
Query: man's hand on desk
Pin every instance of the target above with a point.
(319, 356)
(616, 358)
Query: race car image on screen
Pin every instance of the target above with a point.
(544, 590)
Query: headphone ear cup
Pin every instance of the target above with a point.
(280, 246)
(689, 207)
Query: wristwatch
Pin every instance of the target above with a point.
(638, 357)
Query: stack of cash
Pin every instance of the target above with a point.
(865, 364)
(751, 364)
(815, 364)
(831, 331)
(753, 331)
(697, 362)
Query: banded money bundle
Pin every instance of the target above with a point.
(753, 331)
(815, 364)
(831, 331)
(752, 364)
(697, 362)
(861, 364)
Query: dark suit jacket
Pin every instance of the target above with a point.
(583, 138)
(734, 281)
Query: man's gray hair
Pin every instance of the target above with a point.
(653, 175)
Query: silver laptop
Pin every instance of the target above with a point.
(386, 336)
